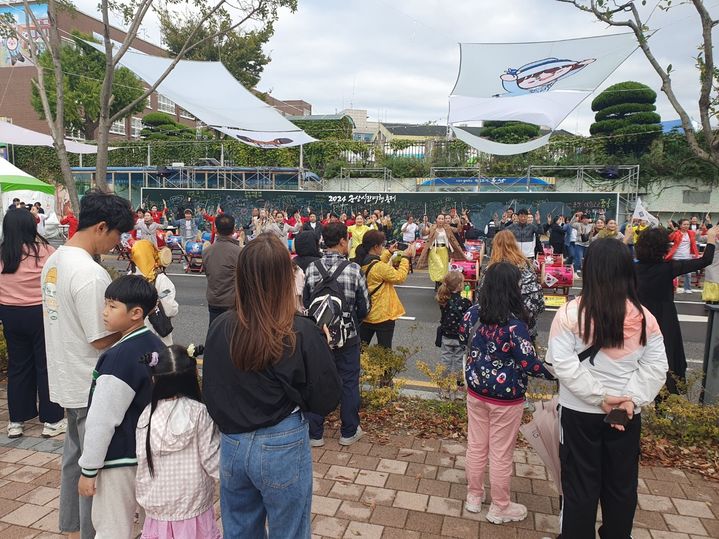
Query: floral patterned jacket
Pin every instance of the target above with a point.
(499, 359)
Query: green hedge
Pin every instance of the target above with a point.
(621, 109)
(624, 92)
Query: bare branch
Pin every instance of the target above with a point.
(131, 33)
(186, 48)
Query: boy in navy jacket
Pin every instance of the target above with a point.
(120, 391)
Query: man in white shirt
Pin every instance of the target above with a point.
(409, 230)
(73, 292)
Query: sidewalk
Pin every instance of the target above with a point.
(405, 488)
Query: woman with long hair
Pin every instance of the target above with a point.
(265, 366)
(23, 254)
(383, 270)
(441, 245)
(656, 277)
(606, 350)
(501, 356)
(610, 230)
(506, 249)
(177, 447)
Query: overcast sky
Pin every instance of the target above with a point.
(399, 58)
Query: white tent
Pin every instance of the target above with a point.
(539, 83)
(14, 134)
(16, 183)
(210, 92)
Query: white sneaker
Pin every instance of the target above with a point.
(680, 290)
(473, 504)
(352, 439)
(14, 430)
(514, 512)
(53, 429)
(690, 291)
(317, 442)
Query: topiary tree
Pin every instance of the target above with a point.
(625, 114)
(509, 132)
(161, 126)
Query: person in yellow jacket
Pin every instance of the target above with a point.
(383, 269)
(357, 232)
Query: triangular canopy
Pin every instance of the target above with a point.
(14, 134)
(209, 92)
(14, 179)
(539, 83)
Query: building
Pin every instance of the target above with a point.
(291, 107)
(364, 131)
(17, 70)
(416, 132)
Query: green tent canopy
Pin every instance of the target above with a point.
(14, 179)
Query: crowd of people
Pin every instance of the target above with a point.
(94, 357)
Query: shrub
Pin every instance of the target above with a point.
(3, 353)
(441, 377)
(679, 420)
(379, 367)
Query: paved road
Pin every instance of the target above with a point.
(417, 330)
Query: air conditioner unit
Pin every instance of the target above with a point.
(178, 165)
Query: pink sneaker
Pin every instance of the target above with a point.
(473, 504)
(514, 512)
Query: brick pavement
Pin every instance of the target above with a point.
(405, 488)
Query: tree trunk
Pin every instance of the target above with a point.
(103, 134)
(69, 180)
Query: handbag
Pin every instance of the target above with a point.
(438, 338)
(160, 321)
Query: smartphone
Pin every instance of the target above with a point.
(618, 416)
(401, 246)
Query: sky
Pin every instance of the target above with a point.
(399, 59)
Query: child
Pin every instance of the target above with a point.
(501, 356)
(120, 391)
(453, 306)
(178, 451)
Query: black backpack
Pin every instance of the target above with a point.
(328, 305)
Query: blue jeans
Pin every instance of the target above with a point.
(687, 281)
(579, 251)
(347, 360)
(266, 475)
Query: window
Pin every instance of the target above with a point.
(135, 127)
(185, 114)
(696, 197)
(165, 105)
(118, 127)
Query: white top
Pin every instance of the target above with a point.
(169, 304)
(441, 236)
(636, 371)
(683, 252)
(73, 298)
(409, 231)
(185, 447)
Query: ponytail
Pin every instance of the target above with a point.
(443, 295)
(451, 283)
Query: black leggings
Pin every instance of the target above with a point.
(384, 331)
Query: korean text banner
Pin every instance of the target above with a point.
(539, 83)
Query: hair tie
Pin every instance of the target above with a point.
(154, 359)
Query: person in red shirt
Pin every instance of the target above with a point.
(158, 215)
(70, 220)
(211, 219)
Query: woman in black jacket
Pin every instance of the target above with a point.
(264, 367)
(307, 248)
(556, 233)
(655, 277)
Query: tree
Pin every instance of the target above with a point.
(241, 53)
(626, 14)
(83, 71)
(161, 126)
(133, 13)
(625, 114)
(509, 132)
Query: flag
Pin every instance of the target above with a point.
(643, 215)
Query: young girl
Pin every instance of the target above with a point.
(501, 356)
(453, 306)
(177, 451)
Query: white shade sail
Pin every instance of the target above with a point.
(539, 83)
(14, 134)
(209, 92)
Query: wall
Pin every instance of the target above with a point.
(480, 205)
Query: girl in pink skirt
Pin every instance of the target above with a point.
(177, 452)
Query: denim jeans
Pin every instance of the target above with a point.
(687, 281)
(347, 360)
(579, 251)
(266, 476)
